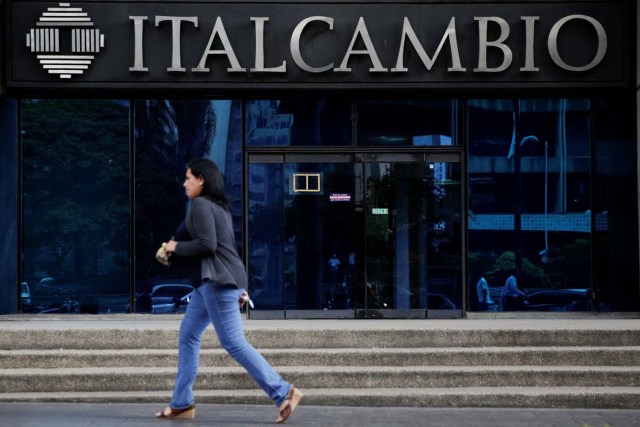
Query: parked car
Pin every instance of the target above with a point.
(558, 300)
(25, 294)
(165, 298)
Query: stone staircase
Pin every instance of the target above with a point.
(437, 363)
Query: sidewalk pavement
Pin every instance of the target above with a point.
(141, 415)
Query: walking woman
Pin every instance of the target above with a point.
(206, 236)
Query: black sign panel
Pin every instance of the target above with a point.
(302, 45)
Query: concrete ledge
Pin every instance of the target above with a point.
(233, 378)
(504, 320)
(150, 336)
(452, 356)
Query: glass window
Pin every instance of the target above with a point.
(168, 134)
(490, 127)
(413, 235)
(529, 205)
(76, 209)
(429, 122)
(265, 233)
(295, 122)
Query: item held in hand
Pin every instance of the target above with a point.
(162, 256)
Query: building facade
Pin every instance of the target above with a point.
(397, 159)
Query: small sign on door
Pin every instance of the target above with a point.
(380, 211)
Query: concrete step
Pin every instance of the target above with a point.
(505, 363)
(232, 378)
(149, 336)
(451, 356)
(479, 397)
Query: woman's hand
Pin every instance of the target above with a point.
(244, 298)
(171, 246)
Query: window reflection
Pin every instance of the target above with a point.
(615, 205)
(265, 232)
(294, 122)
(319, 235)
(529, 203)
(168, 134)
(407, 122)
(529, 194)
(76, 228)
(413, 241)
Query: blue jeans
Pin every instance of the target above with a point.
(219, 305)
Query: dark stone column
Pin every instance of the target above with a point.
(9, 206)
(638, 93)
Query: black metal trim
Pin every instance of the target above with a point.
(318, 158)
(593, 173)
(463, 133)
(320, 314)
(20, 204)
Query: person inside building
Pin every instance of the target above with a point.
(512, 297)
(482, 290)
(215, 298)
(334, 266)
(351, 274)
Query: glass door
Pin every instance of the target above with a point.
(412, 236)
(319, 232)
(355, 235)
(302, 230)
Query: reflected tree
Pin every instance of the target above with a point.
(168, 134)
(75, 182)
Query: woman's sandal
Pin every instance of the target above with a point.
(186, 413)
(289, 405)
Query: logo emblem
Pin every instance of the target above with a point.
(64, 41)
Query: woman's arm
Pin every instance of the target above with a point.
(204, 229)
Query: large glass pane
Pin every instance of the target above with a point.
(298, 122)
(266, 250)
(168, 134)
(413, 236)
(529, 205)
(615, 205)
(429, 122)
(76, 205)
(319, 236)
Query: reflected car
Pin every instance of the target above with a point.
(439, 302)
(25, 294)
(435, 301)
(165, 298)
(49, 287)
(558, 300)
